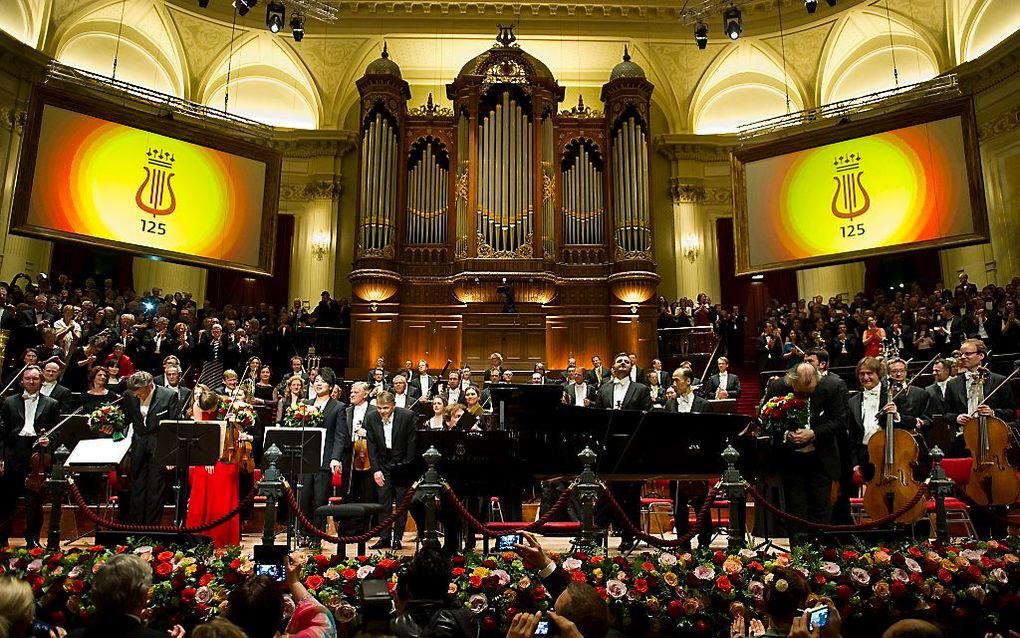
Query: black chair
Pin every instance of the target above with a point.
(361, 512)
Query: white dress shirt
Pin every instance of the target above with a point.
(723, 378)
(358, 418)
(454, 396)
(423, 381)
(31, 404)
(684, 402)
(47, 387)
(975, 392)
(869, 416)
(580, 393)
(400, 400)
(387, 428)
(620, 387)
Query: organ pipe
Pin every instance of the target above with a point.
(427, 197)
(630, 186)
(378, 183)
(582, 200)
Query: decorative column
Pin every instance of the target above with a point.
(313, 251)
(828, 281)
(695, 268)
(19, 254)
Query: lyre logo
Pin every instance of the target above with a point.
(160, 199)
(850, 198)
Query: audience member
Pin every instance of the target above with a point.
(427, 607)
(120, 591)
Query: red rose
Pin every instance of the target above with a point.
(235, 564)
(164, 556)
(724, 584)
(457, 572)
(641, 585)
(58, 617)
(844, 592)
(675, 608)
(320, 560)
(915, 578)
(602, 592)
(820, 579)
(648, 567)
(205, 579)
(77, 586)
(915, 552)
(458, 560)
(188, 595)
(539, 593)
(314, 582)
(700, 626)
(510, 613)
(95, 549)
(718, 557)
(945, 575)
(489, 623)
(36, 552)
(849, 554)
(348, 574)
(475, 582)
(492, 582)
(379, 572)
(164, 569)
(580, 556)
(578, 577)
(488, 563)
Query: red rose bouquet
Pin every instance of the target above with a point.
(301, 415)
(783, 414)
(108, 419)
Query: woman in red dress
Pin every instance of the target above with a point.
(214, 489)
(873, 338)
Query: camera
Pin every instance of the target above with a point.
(818, 617)
(276, 572)
(506, 542)
(42, 630)
(269, 561)
(376, 606)
(546, 628)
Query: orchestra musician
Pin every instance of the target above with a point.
(52, 388)
(404, 395)
(391, 444)
(496, 361)
(689, 493)
(868, 407)
(438, 420)
(25, 420)
(598, 374)
(819, 358)
(809, 458)
(423, 381)
(145, 405)
(625, 394)
(317, 483)
(911, 401)
(722, 385)
(360, 486)
(579, 391)
(377, 383)
(942, 371)
(655, 389)
(453, 389)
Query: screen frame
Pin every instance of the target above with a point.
(166, 125)
(960, 107)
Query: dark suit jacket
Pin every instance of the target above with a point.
(164, 405)
(855, 422)
(118, 626)
(346, 432)
(936, 400)
(732, 386)
(638, 373)
(12, 419)
(602, 376)
(404, 435)
(591, 393)
(64, 397)
(415, 382)
(1001, 403)
(912, 404)
(769, 358)
(334, 418)
(699, 405)
(828, 417)
(637, 397)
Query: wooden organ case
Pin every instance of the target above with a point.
(504, 190)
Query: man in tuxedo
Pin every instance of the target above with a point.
(404, 395)
(423, 380)
(981, 325)
(145, 405)
(911, 401)
(578, 391)
(598, 374)
(809, 460)
(317, 483)
(637, 373)
(453, 389)
(689, 493)
(734, 335)
(867, 411)
(391, 448)
(359, 482)
(377, 381)
(32, 321)
(965, 288)
(665, 378)
(155, 344)
(25, 420)
(819, 358)
(565, 376)
(948, 329)
(942, 371)
(901, 336)
(770, 348)
(172, 381)
(52, 388)
(625, 394)
(723, 385)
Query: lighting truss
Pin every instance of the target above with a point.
(317, 9)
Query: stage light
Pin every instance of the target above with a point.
(811, 5)
(297, 27)
(244, 6)
(203, 4)
(701, 35)
(831, 3)
(275, 14)
(732, 23)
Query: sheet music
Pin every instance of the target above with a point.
(99, 452)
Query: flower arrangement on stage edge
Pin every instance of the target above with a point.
(783, 414)
(302, 415)
(972, 588)
(108, 419)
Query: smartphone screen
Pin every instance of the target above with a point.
(506, 542)
(276, 572)
(819, 617)
(542, 629)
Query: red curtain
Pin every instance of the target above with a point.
(239, 288)
(751, 296)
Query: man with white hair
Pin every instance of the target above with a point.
(145, 406)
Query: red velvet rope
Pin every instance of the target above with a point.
(824, 527)
(346, 540)
(142, 529)
(486, 531)
(661, 542)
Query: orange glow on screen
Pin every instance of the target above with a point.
(878, 191)
(101, 179)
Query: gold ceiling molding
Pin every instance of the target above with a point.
(636, 10)
(688, 146)
(322, 189)
(332, 144)
(1005, 123)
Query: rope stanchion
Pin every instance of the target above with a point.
(661, 542)
(484, 530)
(106, 523)
(825, 527)
(310, 527)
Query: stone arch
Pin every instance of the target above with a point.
(268, 83)
(150, 53)
(744, 84)
(24, 19)
(983, 24)
(858, 56)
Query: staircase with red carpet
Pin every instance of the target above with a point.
(750, 387)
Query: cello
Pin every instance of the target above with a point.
(894, 454)
(993, 477)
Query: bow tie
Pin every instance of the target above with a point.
(30, 397)
(874, 392)
(622, 381)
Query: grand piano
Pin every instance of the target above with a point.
(537, 437)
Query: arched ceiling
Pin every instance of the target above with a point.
(176, 47)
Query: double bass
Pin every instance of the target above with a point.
(895, 455)
(993, 477)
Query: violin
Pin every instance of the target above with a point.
(894, 454)
(361, 461)
(41, 462)
(993, 478)
(238, 449)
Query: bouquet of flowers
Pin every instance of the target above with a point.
(242, 415)
(301, 415)
(783, 414)
(108, 418)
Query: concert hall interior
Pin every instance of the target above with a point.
(677, 285)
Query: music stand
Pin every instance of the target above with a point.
(302, 450)
(187, 443)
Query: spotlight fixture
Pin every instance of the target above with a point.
(244, 6)
(701, 35)
(732, 23)
(297, 27)
(203, 4)
(831, 3)
(811, 5)
(275, 14)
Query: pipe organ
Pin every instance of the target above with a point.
(428, 180)
(502, 189)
